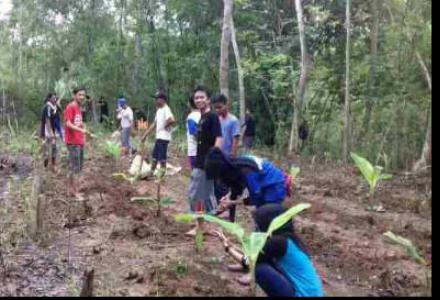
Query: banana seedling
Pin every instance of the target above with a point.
(372, 174)
(158, 200)
(112, 149)
(411, 250)
(251, 244)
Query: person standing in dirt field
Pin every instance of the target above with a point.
(192, 123)
(75, 139)
(163, 122)
(249, 132)
(231, 137)
(103, 112)
(125, 114)
(48, 131)
(201, 190)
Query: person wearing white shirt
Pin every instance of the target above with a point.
(125, 114)
(192, 123)
(163, 122)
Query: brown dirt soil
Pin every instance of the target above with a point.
(135, 253)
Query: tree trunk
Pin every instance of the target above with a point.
(3, 107)
(426, 157)
(225, 42)
(299, 100)
(294, 139)
(149, 18)
(346, 142)
(375, 8)
(240, 74)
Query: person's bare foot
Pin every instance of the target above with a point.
(244, 280)
(192, 232)
(236, 268)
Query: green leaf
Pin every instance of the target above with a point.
(142, 199)
(199, 240)
(294, 171)
(411, 250)
(120, 176)
(253, 244)
(385, 177)
(286, 217)
(185, 218)
(167, 201)
(366, 168)
(230, 227)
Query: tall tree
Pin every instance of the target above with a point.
(242, 95)
(225, 43)
(299, 100)
(375, 6)
(347, 134)
(426, 156)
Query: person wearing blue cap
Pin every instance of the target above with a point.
(125, 114)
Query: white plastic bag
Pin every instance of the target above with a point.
(135, 166)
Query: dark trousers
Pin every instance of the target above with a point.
(220, 191)
(273, 282)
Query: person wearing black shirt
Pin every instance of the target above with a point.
(249, 133)
(209, 134)
(103, 111)
(303, 133)
(48, 131)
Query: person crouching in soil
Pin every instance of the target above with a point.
(284, 267)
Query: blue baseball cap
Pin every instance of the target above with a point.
(122, 101)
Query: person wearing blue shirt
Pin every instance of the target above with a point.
(265, 182)
(231, 138)
(284, 267)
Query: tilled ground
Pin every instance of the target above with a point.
(135, 253)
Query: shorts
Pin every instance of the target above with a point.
(160, 150)
(201, 193)
(125, 137)
(76, 158)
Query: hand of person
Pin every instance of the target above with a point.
(221, 235)
(226, 203)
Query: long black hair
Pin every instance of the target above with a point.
(48, 97)
(265, 214)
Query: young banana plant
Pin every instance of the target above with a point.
(372, 174)
(251, 244)
(113, 150)
(158, 200)
(411, 250)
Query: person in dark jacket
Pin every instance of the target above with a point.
(48, 131)
(265, 182)
(249, 133)
(303, 133)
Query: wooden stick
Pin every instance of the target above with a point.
(87, 289)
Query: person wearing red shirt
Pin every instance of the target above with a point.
(75, 139)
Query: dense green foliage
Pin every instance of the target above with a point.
(129, 47)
